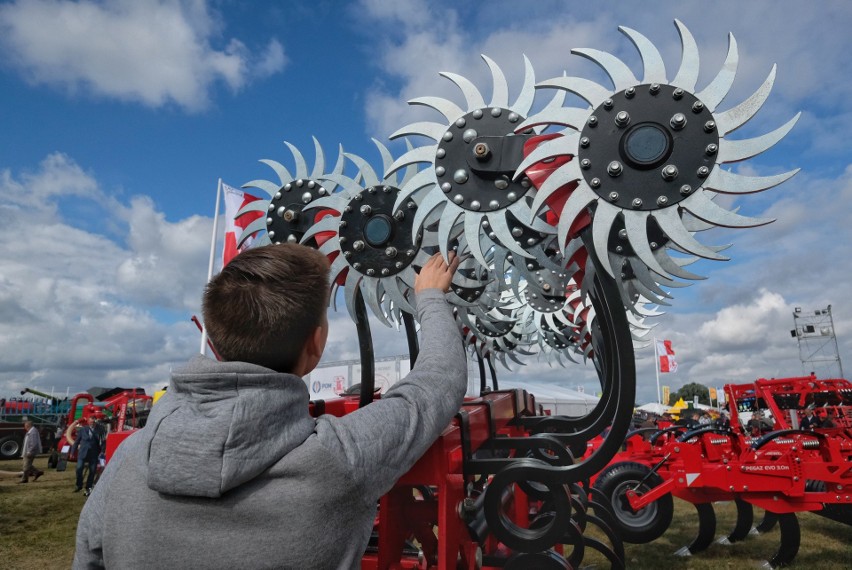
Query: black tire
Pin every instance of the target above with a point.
(635, 527)
(11, 446)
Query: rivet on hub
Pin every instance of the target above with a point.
(311, 183)
(608, 104)
(356, 265)
(622, 119)
(365, 210)
(677, 94)
(358, 245)
(711, 149)
(446, 187)
(300, 182)
(493, 204)
(678, 121)
(513, 117)
(460, 176)
(595, 182)
(709, 126)
(670, 172)
(585, 164)
(385, 271)
(371, 271)
(306, 197)
(292, 239)
(399, 215)
(475, 205)
(501, 183)
(637, 202)
(622, 233)
(662, 201)
(411, 205)
(630, 92)
(458, 199)
(440, 171)
(654, 88)
(512, 196)
(614, 168)
(391, 251)
(585, 142)
(477, 114)
(703, 171)
(496, 112)
(469, 135)
(593, 121)
(441, 153)
(460, 122)
(448, 136)
(613, 196)
(697, 107)
(685, 190)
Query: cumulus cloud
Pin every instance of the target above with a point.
(156, 52)
(79, 309)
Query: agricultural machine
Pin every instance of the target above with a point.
(573, 223)
(780, 468)
(119, 411)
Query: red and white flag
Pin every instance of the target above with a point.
(665, 353)
(234, 200)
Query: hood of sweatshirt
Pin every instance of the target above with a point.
(221, 424)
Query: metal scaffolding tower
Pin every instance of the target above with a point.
(818, 348)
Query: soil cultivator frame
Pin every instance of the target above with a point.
(573, 223)
(775, 466)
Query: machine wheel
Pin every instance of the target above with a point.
(11, 446)
(635, 527)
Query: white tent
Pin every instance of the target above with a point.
(654, 408)
(559, 401)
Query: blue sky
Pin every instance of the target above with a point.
(119, 117)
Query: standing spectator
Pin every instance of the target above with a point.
(810, 421)
(705, 419)
(692, 422)
(32, 447)
(723, 421)
(828, 422)
(88, 447)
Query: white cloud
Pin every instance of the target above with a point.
(78, 309)
(154, 52)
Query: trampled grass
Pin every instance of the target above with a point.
(38, 522)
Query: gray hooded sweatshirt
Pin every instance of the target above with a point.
(232, 472)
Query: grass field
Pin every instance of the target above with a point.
(38, 521)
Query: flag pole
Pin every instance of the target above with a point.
(657, 370)
(203, 349)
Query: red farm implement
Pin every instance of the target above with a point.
(775, 466)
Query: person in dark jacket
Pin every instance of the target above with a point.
(810, 421)
(87, 444)
(231, 471)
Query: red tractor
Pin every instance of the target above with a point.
(767, 461)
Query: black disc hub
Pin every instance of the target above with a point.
(648, 147)
(375, 240)
(473, 163)
(285, 220)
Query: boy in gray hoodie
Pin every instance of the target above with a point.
(231, 471)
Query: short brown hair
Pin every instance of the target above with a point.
(265, 303)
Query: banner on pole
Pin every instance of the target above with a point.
(665, 353)
(234, 201)
(667, 395)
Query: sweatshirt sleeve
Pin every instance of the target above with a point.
(90, 527)
(384, 439)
